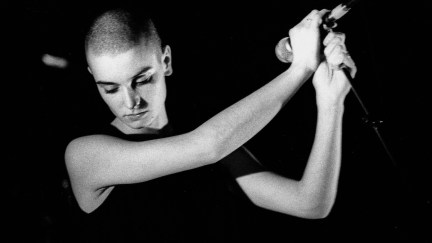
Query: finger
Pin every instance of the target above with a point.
(336, 57)
(315, 17)
(330, 36)
(335, 45)
(321, 14)
(338, 60)
(348, 61)
(350, 64)
(310, 15)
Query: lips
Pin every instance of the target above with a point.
(135, 116)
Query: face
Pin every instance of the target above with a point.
(132, 84)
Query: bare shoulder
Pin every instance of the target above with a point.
(80, 168)
(80, 148)
(81, 155)
(76, 152)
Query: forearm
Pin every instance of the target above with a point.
(238, 123)
(319, 182)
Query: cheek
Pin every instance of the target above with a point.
(151, 94)
(162, 92)
(113, 101)
(160, 96)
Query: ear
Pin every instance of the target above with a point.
(88, 69)
(167, 60)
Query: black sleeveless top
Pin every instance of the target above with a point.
(200, 205)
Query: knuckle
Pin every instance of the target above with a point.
(340, 35)
(333, 36)
(329, 38)
(337, 42)
(292, 31)
(330, 35)
(326, 51)
(296, 29)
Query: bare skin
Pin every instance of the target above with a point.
(97, 163)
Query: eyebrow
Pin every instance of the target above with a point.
(106, 83)
(140, 72)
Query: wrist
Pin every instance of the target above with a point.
(310, 65)
(331, 108)
(302, 70)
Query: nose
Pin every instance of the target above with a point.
(132, 99)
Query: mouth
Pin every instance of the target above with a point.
(135, 116)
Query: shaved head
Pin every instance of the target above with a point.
(117, 31)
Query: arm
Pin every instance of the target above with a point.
(314, 195)
(99, 161)
(96, 162)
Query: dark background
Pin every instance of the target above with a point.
(221, 52)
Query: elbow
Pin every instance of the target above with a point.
(304, 207)
(316, 205)
(319, 212)
(206, 141)
(317, 202)
(324, 212)
(309, 212)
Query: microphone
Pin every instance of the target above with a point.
(283, 49)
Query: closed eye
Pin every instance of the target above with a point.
(143, 80)
(111, 91)
(108, 87)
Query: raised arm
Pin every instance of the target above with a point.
(97, 162)
(238, 123)
(314, 195)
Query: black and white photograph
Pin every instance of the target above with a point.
(217, 121)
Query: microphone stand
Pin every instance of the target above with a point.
(368, 120)
(329, 25)
(284, 54)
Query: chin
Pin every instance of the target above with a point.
(144, 124)
(149, 122)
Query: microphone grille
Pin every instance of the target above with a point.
(283, 51)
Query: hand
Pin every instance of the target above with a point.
(305, 40)
(331, 84)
